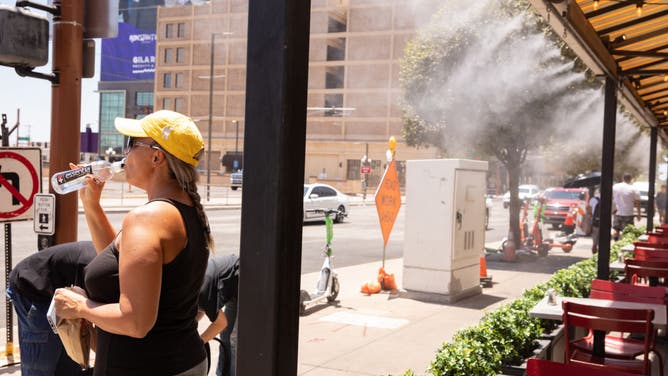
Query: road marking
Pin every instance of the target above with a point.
(365, 320)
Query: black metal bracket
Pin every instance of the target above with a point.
(28, 72)
(55, 10)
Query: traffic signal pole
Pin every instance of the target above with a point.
(66, 109)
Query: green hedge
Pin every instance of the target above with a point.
(508, 335)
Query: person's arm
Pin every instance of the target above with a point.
(141, 256)
(101, 231)
(215, 327)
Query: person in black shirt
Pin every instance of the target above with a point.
(219, 290)
(143, 286)
(32, 283)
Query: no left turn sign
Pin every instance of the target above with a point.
(20, 172)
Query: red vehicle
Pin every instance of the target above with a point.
(560, 201)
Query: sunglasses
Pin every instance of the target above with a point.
(133, 142)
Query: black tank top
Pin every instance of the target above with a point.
(173, 344)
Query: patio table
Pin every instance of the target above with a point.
(543, 310)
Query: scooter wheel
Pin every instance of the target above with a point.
(335, 290)
(303, 298)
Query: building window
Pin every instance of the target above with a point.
(166, 103)
(334, 77)
(333, 102)
(144, 98)
(169, 31)
(179, 80)
(181, 33)
(180, 55)
(353, 169)
(168, 55)
(167, 80)
(179, 105)
(336, 23)
(112, 105)
(336, 49)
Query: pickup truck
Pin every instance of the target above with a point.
(236, 180)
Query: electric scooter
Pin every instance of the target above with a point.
(327, 288)
(537, 243)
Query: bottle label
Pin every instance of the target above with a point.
(67, 176)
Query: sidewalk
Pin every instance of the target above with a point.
(386, 334)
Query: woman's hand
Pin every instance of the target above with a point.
(69, 302)
(91, 193)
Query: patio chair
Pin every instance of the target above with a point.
(618, 345)
(607, 319)
(648, 245)
(657, 237)
(642, 253)
(654, 271)
(540, 367)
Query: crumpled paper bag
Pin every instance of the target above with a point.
(76, 337)
(75, 334)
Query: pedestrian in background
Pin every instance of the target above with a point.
(32, 283)
(144, 283)
(595, 219)
(660, 202)
(625, 197)
(218, 300)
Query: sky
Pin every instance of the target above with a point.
(33, 97)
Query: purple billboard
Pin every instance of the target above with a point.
(130, 56)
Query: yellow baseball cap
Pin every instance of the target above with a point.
(175, 133)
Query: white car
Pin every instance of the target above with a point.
(526, 191)
(323, 196)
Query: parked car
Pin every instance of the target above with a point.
(525, 191)
(643, 188)
(559, 201)
(323, 196)
(236, 180)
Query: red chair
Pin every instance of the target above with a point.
(603, 289)
(636, 270)
(648, 245)
(617, 346)
(657, 237)
(540, 367)
(608, 319)
(651, 254)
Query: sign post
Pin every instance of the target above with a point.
(44, 214)
(20, 171)
(388, 198)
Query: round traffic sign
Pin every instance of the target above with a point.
(25, 203)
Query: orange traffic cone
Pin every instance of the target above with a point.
(387, 281)
(369, 288)
(485, 280)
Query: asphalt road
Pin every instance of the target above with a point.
(357, 240)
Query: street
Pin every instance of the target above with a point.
(356, 241)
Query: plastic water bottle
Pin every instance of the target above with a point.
(72, 180)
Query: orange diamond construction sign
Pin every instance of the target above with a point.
(388, 200)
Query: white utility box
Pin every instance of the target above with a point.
(445, 227)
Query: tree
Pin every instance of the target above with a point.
(486, 78)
